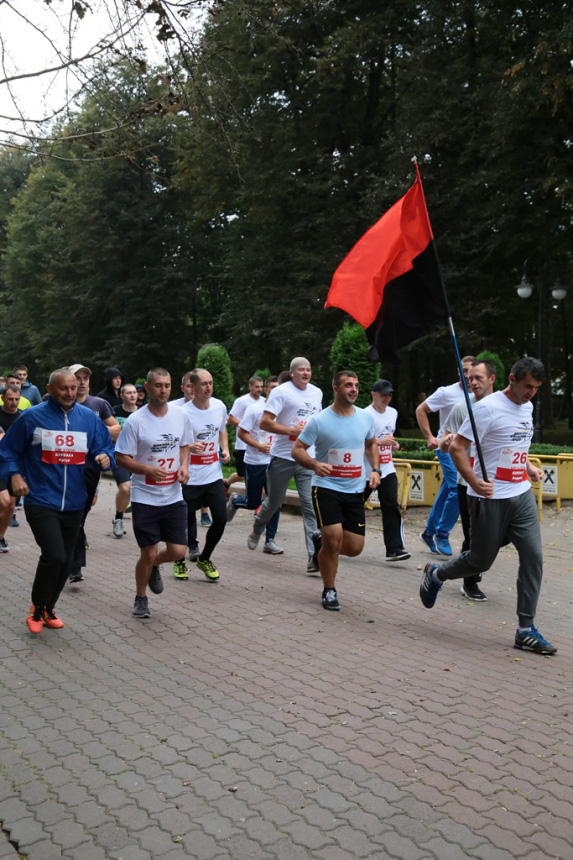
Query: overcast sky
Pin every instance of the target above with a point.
(35, 36)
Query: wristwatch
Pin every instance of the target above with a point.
(377, 470)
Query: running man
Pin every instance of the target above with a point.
(341, 433)
(50, 445)
(154, 446)
(384, 417)
(504, 504)
(445, 510)
(286, 413)
(257, 458)
(128, 394)
(481, 379)
(205, 486)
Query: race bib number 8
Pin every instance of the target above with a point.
(345, 463)
(67, 449)
(511, 465)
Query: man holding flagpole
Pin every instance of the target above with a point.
(446, 509)
(503, 505)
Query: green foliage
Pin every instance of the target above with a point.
(500, 377)
(348, 352)
(215, 358)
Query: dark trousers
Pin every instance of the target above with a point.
(91, 480)
(392, 523)
(56, 533)
(210, 496)
(256, 482)
(465, 520)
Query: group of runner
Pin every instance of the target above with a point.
(174, 451)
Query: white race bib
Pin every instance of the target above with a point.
(208, 456)
(346, 463)
(511, 465)
(66, 448)
(385, 454)
(170, 464)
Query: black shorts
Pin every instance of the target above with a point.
(155, 523)
(332, 507)
(121, 475)
(240, 463)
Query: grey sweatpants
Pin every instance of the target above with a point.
(279, 473)
(491, 520)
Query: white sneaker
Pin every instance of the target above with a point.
(118, 528)
(272, 548)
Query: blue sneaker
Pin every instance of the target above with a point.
(443, 545)
(429, 588)
(532, 640)
(429, 541)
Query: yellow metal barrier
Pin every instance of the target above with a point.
(424, 482)
(564, 489)
(403, 473)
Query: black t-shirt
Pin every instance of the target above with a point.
(6, 420)
(122, 415)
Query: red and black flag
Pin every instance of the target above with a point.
(390, 282)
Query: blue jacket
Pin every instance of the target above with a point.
(31, 392)
(28, 449)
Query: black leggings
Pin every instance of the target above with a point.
(210, 496)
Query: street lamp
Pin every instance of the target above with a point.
(524, 290)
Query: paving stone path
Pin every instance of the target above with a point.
(243, 721)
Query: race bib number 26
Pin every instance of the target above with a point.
(511, 465)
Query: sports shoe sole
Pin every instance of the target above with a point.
(402, 557)
(477, 599)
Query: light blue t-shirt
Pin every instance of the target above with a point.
(339, 440)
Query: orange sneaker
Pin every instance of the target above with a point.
(35, 620)
(52, 621)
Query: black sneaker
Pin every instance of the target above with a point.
(155, 581)
(141, 608)
(330, 599)
(3, 545)
(194, 552)
(316, 538)
(429, 588)
(398, 555)
(75, 576)
(473, 592)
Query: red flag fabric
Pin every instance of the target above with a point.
(386, 251)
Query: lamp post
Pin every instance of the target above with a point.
(543, 345)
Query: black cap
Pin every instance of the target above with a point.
(382, 386)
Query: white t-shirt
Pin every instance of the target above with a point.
(150, 439)
(238, 410)
(179, 402)
(443, 400)
(252, 424)
(505, 430)
(205, 468)
(453, 423)
(384, 425)
(291, 405)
